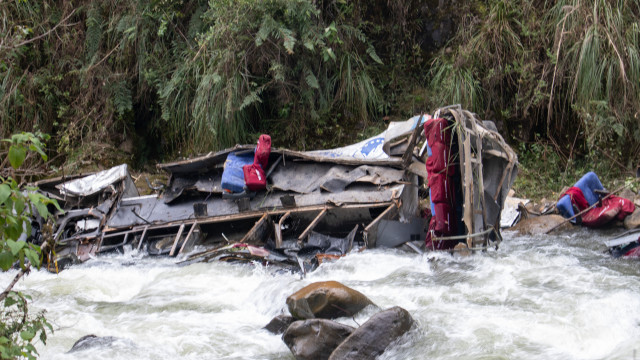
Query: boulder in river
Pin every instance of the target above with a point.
(327, 300)
(90, 341)
(279, 324)
(542, 225)
(633, 221)
(315, 338)
(374, 336)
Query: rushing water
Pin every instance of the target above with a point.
(547, 297)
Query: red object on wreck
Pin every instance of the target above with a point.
(635, 252)
(254, 177)
(584, 194)
(440, 170)
(263, 150)
(612, 207)
(254, 174)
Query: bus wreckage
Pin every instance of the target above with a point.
(432, 183)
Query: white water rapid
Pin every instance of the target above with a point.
(547, 297)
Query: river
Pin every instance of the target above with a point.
(545, 297)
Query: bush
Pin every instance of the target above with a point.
(18, 206)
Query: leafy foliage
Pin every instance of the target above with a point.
(564, 72)
(193, 76)
(277, 50)
(19, 330)
(18, 206)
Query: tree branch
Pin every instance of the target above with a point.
(41, 35)
(18, 276)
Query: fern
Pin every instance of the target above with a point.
(371, 51)
(94, 32)
(311, 79)
(267, 27)
(121, 95)
(251, 99)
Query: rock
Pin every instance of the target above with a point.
(373, 337)
(279, 324)
(633, 221)
(90, 341)
(542, 224)
(461, 249)
(315, 338)
(627, 194)
(327, 300)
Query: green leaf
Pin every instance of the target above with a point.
(15, 246)
(6, 260)
(372, 53)
(36, 199)
(9, 301)
(36, 147)
(308, 44)
(42, 209)
(14, 230)
(5, 192)
(18, 205)
(55, 203)
(33, 257)
(312, 81)
(27, 335)
(17, 155)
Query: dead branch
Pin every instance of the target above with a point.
(61, 23)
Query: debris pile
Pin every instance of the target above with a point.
(294, 208)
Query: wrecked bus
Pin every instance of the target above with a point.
(315, 205)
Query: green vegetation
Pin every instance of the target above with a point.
(536, 181)
(19, 330)
(178, 77)
(560, 76)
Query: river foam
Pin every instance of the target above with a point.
(549, 297)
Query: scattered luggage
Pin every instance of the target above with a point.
(588, 203)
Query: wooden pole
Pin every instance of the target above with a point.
(312, 225)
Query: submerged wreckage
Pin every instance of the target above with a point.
(300, 208)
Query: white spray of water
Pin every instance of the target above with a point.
(535, 298)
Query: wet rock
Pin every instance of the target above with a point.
(373, 337)
(279, 324)
(633, 221)
(461, 249)
(542, 225)
(315, 338)
(91, 341)
(327, 300)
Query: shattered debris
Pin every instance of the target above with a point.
(301, 209)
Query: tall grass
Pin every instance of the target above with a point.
(566, 71)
